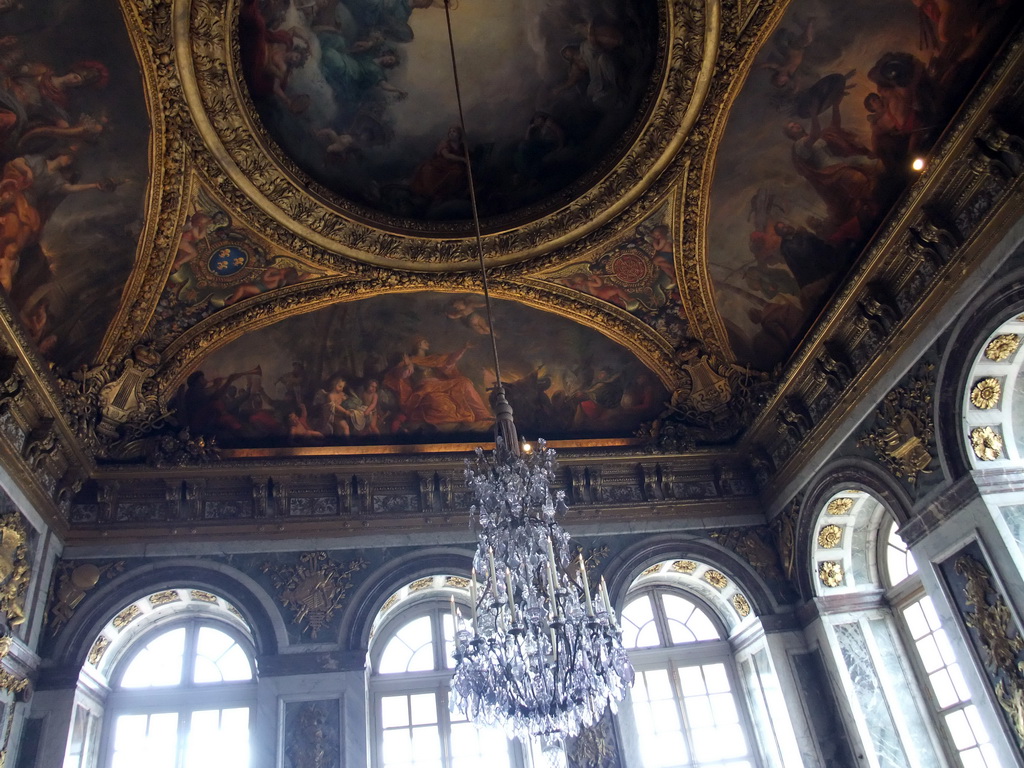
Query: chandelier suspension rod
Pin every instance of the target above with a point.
(472, 198)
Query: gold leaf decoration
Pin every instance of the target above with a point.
(839, 506)
(203, 597)
(234, 611)
(389, 603)
(987, 444)
(830, 536)
(684, 566)
(831, 573)
(716, 579)
(127, 616)
(165, 597)
(904, 427)
(739, 602)
(14, 567)
(314, 588)
(651, 571)
(98, 649)
(985, 394)
(421, 584)
(457, 582)
(1001, 347)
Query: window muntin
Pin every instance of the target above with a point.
(183, 699)
(684, 699)
(412, 663)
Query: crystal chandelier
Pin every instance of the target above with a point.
(539, 655)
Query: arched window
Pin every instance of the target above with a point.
(411, 667)
(933, 656)
(183, 684)
(684, 700)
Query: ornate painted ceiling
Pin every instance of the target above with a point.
(250, 218)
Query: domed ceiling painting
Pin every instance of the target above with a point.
(261, 207)
(360, 95)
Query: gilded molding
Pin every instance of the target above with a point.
(830, 537)
(985, 393)
(73, 581)
(840, 506)
(742, 606)
(15, 570)
(1002, 347)
(295, 214)
(831, 573)
(986, 443)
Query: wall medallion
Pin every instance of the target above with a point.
(1001, 347)
(986, 443)
(313, 589)
(985, 394)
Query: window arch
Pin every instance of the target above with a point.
(182, 682)
(685, 701)
(411, 666)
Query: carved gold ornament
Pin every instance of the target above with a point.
(684, 566)
(313, 589)
(839, 506)
(1001, 347)
(9, 681)
(14, 567)
(739, 602)
(98, 649)
(987, 444)
(830, 536)
(421, 584)
(716, 579)
(904, 428)
(234, 611)
(165, 597)
(203, 597)
(389, 603)
(457, 582)
(1000, 638)
(73, 582)
(831, 573)
(127, 616)
(986, 393)
(651, 570)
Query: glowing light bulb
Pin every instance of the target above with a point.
(527, 448)
(918, 164)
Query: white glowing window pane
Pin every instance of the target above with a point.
(943, 688)
(394, 712)
(423, 707)
(158, 663)
(149, 740)
(657, 685)
(692, 681)
(974, 719)
(929, 652)
(929, 613)
(960, 730)
(410, 650)
(473, 747)
(638, 627)
(681, 611)
(219, 658)
(716, 678)
(397, 748)
(426, 745)
(916, 622)
(218, 738)
(900, 562)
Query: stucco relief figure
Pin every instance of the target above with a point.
(432, 391)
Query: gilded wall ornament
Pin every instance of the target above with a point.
(739, 602)
(389, 603)
(98, 649)
(831, 573)
(1000, 638)
(716, 579)
(684, 566)
(457, 582)
(1002, 347)
(164, 598)
(313, 589)
(73, 582)
(840, 506)
(14, 567)
(650, 571)
(904, 429)
(756, 546)
(985, 394)
(127, 616)
(203, 596)
(420, 584)
(986, 443)
(9, 681)
(830, 536)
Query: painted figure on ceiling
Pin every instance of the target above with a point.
(431, 389)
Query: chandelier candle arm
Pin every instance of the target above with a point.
(586, 587)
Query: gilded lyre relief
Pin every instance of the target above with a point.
(15, 571)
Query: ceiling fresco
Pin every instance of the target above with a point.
(73, 146)
(251, 215)
(415, 368)
(360, 95)
(819, 145)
